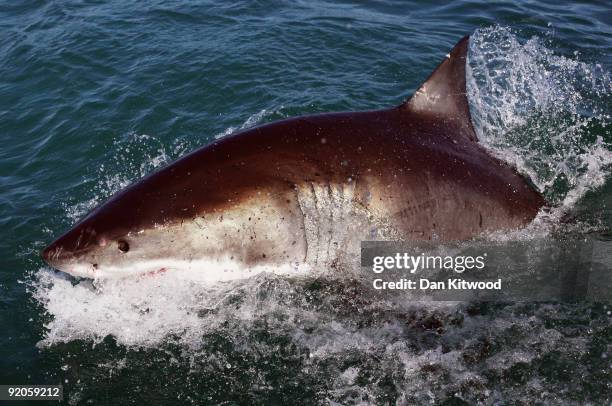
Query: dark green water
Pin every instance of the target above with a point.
(94, 95)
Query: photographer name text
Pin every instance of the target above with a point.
(411, 264)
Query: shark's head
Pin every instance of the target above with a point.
(175, 219)
(107, 241)
(135, 230)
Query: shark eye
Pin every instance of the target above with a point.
(123, 246)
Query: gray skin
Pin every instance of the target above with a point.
(306, 190)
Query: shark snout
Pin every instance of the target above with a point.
(73, 263)
(56, 255)
(67, 252)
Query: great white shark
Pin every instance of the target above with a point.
(306, 189)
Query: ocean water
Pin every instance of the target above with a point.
(94, 95)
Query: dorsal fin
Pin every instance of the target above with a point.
(444, 94)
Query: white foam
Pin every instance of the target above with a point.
(140, 311)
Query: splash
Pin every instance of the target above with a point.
(130, 158)
(544, 113)
(141, 312)
(331, 333)
(250, 122)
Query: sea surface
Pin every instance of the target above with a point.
(94, 95)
